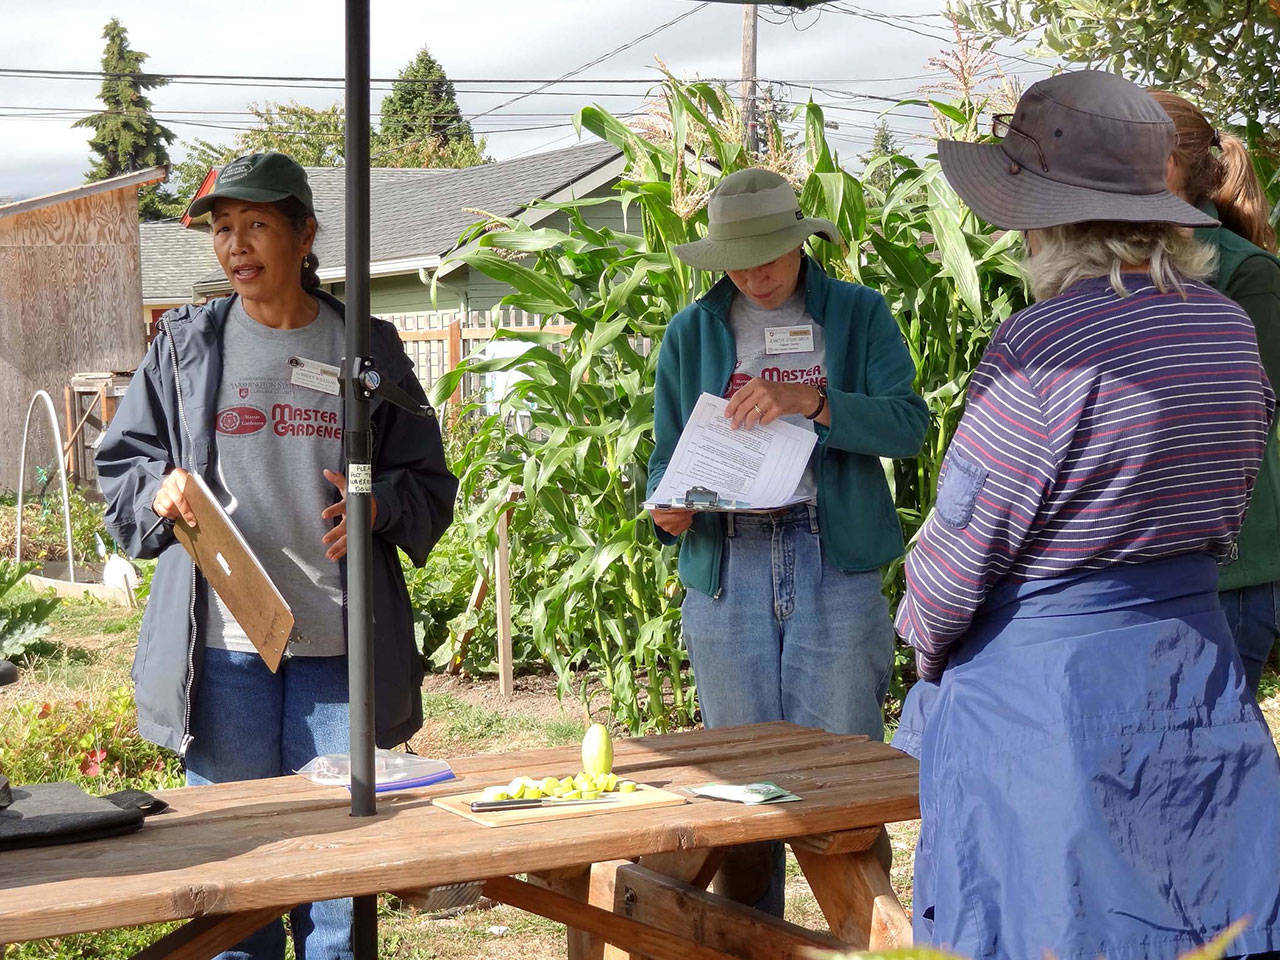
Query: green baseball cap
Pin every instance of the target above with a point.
(258, 178)
(753, 217)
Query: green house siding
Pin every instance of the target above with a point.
(402, 293)
(405, 293)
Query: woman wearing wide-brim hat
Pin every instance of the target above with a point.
(783, 614)
(1095, 777)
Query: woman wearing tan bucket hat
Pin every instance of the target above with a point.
(783, 615)
(1095, 777)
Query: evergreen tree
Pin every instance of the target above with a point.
(883, 144)
(422, 125)
(126, 136)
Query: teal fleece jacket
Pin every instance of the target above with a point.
(874, 413)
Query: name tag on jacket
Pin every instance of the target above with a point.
(788, 339)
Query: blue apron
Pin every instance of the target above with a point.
(1095, 780)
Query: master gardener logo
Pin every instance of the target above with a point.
(238, 421)
(235, 170)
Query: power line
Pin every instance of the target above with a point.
(40, 73)
(605, 56)
(94, 111)
(174, 77)
(320, 134)
(577, 70)
(886, 20)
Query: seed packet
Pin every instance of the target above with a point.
(750, 793)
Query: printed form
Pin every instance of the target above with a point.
(756, 469)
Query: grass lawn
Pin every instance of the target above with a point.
(95, 648)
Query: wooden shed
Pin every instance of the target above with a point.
(70, 285)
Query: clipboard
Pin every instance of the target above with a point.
(235, 573)
(701, 499)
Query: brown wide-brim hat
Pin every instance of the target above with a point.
(1080, 146)
(753, 218)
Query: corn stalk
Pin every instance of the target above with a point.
(600, 591)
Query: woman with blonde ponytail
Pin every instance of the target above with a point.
(1211, 169)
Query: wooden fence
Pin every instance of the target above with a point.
(437, 340)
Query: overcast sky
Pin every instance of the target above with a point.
(837, 52)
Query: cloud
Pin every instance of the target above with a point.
(518, 39)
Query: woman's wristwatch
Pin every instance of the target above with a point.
(822, 402)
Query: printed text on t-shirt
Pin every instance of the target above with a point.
(810, 375)
(286, 419)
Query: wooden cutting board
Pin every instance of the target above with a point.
(644, 796)
(228, 562)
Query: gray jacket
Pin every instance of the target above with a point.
(167, 419)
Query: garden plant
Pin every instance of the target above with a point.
(597, 590)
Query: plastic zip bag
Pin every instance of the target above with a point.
(392, 770)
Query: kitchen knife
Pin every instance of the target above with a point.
(480, 806)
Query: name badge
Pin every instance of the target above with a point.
(315, 375)
(788, 339)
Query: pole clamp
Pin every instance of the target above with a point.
(373, 384)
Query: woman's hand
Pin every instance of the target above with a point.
(674, 522)
(170, 501)
(337, 537)
(764, 401)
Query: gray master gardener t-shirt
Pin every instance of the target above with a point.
(759, 357)
(274, 440)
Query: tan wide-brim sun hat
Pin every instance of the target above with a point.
(753, 218)
(1080, 146)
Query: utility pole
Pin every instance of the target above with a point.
(748, 91)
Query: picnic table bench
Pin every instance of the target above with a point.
(235, 856)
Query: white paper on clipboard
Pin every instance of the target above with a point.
(756, 469)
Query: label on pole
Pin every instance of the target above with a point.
(360, 478)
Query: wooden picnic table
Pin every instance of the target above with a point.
(235, 856)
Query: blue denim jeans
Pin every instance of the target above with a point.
(790, 637)
(1253, 614)
(248, 723)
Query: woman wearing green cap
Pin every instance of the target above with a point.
(783, 614)
(215, 398)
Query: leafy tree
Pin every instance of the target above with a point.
(314, 137)
(126, 136)
(187, 175)
(422, 124)
(1222, 54)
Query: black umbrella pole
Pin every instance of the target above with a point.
(357, 440)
